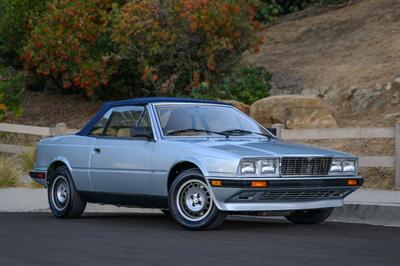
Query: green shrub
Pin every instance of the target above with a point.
(290, 6)
(16, 20)
(10, 174)
(244, 84)
(268, 10)
(11, 87)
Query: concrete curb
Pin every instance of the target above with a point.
(377, 207)
(387, 215)
(364, 206)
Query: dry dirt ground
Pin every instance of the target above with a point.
(356, 45)
(41, 109)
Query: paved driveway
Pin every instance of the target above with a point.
(153, 239)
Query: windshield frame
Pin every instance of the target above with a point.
(161, 132)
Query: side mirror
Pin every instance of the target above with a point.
(272, 130)
(141, 132)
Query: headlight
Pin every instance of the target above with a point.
(248, 167)
(350, 166)
(269, 166)
(259, 166)
(343, 166)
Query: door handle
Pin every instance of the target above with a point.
(97, 150)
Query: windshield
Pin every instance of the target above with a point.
(198, 120)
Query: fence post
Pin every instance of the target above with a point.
(59, 129)
(279, 129)
(397, 155)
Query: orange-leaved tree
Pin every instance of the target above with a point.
(68, 45)
(178, 44)
(141, 47)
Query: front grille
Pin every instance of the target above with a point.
(303, 195)
(305, 166)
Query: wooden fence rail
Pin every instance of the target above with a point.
(338, 133)
(288, 134)
(59, 129)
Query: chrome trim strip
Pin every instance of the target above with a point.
(153, 121)
(279, 206)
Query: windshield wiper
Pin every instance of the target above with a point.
(188, 130)
(232, 132)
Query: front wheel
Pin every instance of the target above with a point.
(309, 216)
(191, 204)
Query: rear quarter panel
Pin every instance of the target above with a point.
(73, 150)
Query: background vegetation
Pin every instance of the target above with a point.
(118, 48)
(9, 174)
(11, 86)
(269, 10)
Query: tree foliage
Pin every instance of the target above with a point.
(68, 46)
(11, 86)
(16, 20)
(139, 48)
(244, 84)
(268, 10)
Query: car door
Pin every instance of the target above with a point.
(120, 163)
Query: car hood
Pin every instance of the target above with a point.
(266, 148)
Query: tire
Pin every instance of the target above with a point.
(191, 204)
(309, 216)
(64, 200)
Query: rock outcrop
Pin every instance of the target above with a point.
(239, 105)
(294, 111)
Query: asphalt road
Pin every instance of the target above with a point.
(152, 239)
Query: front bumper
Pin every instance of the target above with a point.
(282, 194)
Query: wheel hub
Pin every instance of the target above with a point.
(195, 202)
(60, 193)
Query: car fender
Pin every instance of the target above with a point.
(194, 161)
(63, 160)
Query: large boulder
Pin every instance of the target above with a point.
(294, 111)
(239, 105)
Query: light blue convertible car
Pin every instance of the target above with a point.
(196, 160)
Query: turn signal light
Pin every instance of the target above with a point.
(259, 184)
(216, 183)
(352, 182)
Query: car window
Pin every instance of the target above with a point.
(118, 121)
(145, 121)
(99, 127)
(187, 120)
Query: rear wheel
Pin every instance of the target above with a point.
(64, 200)
(309, 216)
(191, 204)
